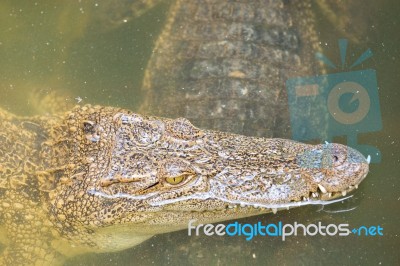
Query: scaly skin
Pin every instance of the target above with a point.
(223, 65)
(102, 179)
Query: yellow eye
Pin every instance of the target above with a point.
(175, 180)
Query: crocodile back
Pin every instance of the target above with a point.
(223, 64)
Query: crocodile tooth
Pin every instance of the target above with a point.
(242, 205)
(323, 190)
(230, 207)
(344, 193)
(329, 194)
(287, 207)
(356, 186)
(274, 210)
(368, 159)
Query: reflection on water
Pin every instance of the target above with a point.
(68, 46)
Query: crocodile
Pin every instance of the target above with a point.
(102, 179)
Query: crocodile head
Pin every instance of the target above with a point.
(131, 175)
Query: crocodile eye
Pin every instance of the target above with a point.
(175, 180)
(175, 171)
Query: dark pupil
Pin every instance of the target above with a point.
(335, 158)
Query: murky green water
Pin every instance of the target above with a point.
(72, 46)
